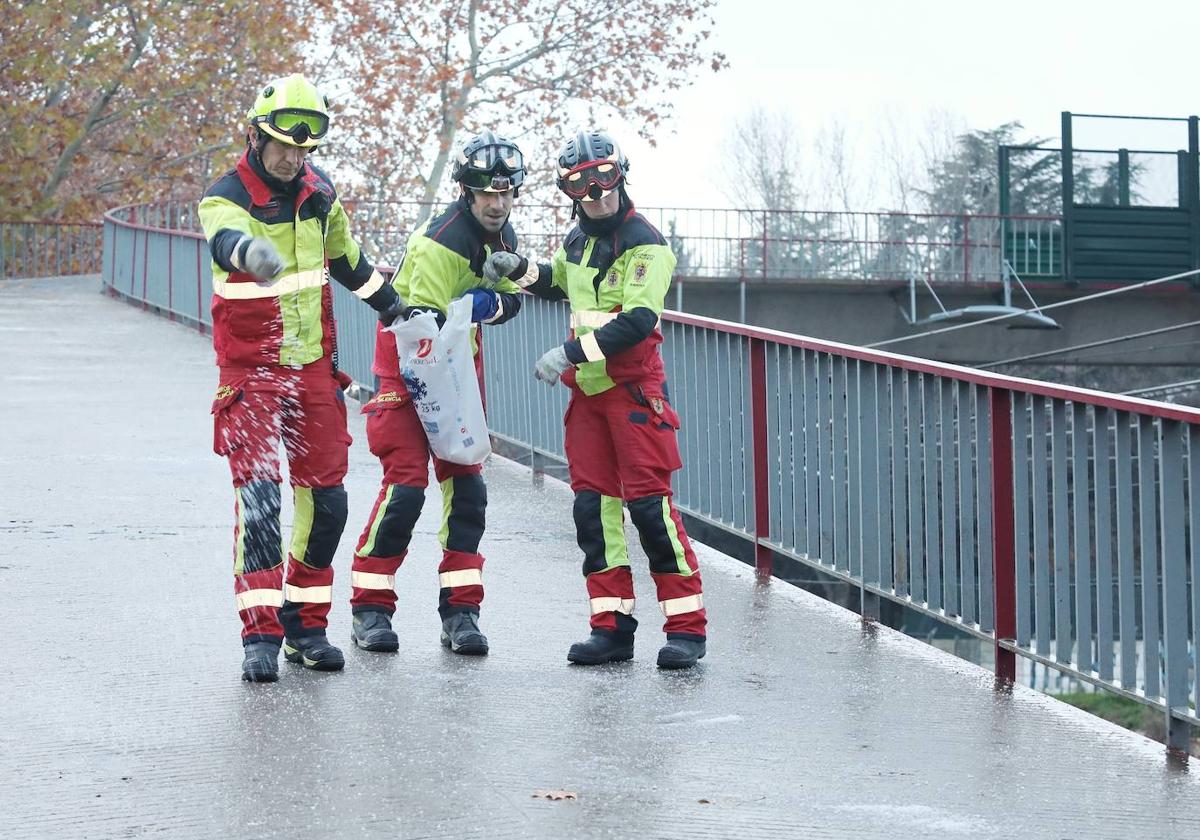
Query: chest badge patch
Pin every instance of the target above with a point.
(612, 278)
(657, 405)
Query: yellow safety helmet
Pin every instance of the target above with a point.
(292, 111)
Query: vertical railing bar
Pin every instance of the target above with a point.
(1001, 459)
(1022, 524)
(1126, 585)
(854, 478)
(837, 452)
(884, 461)
(930, 440)
(825, 455)
(762, 492)
(869, 484)
(949, 496)
(899, 564)
(1149, 556)
(1193, 503)
(1174, 584)
(1102, 472)
(985, 501)
(812, 450)
(1042, 613)
(967, 598)
(1061, 520)
(1081, 507)
(915, 578)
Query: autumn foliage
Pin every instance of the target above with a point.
(108, 103)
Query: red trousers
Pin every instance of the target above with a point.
(621, 448)
(254, 411)
(397, 438)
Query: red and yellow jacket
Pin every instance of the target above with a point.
(290, 320)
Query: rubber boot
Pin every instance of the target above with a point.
(372, 630)
(602, 646)
(261, 663)
(313, 652)
(680, 652)
(460, 633)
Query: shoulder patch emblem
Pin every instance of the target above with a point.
(639, 274)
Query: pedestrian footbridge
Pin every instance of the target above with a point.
(123, 714)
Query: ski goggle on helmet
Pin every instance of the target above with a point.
(292, 111)
(490, 163)
(591, 181)
(590, 166)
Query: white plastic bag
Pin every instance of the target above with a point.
(439, 371)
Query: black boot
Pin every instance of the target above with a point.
(372, 630)
(460, 633)
(313, 652)
(602, 646)
(261, 663)
(681, 652)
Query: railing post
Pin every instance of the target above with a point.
(758, 424)
(966, 248)
(1003, 560)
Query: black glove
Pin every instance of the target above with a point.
(393, 313)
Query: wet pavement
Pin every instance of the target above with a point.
(122, 713)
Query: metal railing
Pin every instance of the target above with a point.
(1059, 524)
(49, 249)
(783, 245)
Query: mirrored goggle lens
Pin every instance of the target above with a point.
(490, 158)
(578, 181)
(300, 124)
(488, 181)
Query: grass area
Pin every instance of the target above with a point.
(1113, 708)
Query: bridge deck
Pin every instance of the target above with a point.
(122, 713)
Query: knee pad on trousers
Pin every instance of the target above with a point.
(398, 518)
(329, 509)
(650, 519)
(589, 531)
(258, 511)
(467, 513)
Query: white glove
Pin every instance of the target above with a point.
(262, 260)
(499, 265)
(551, 365)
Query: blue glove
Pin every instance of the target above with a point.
(484, 304)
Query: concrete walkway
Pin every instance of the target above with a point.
(122, 713)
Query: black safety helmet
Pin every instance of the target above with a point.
(490, 163)
(590, 165)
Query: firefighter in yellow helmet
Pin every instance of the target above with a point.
(276, 233)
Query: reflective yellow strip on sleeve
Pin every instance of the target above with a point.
(259, 598)
(499, 311)
(592, 320)
(309, 594)
(679, 606)
(461, 577)
(371, 286)
(284, 285)
(371, 580)
(233, 256)
(591, 348)
(621, 605)
(529, 277)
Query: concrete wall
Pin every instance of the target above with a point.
(865, 314)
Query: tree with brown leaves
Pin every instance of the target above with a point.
(114, 102)
(423, 72)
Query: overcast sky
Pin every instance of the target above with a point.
(862, 62)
